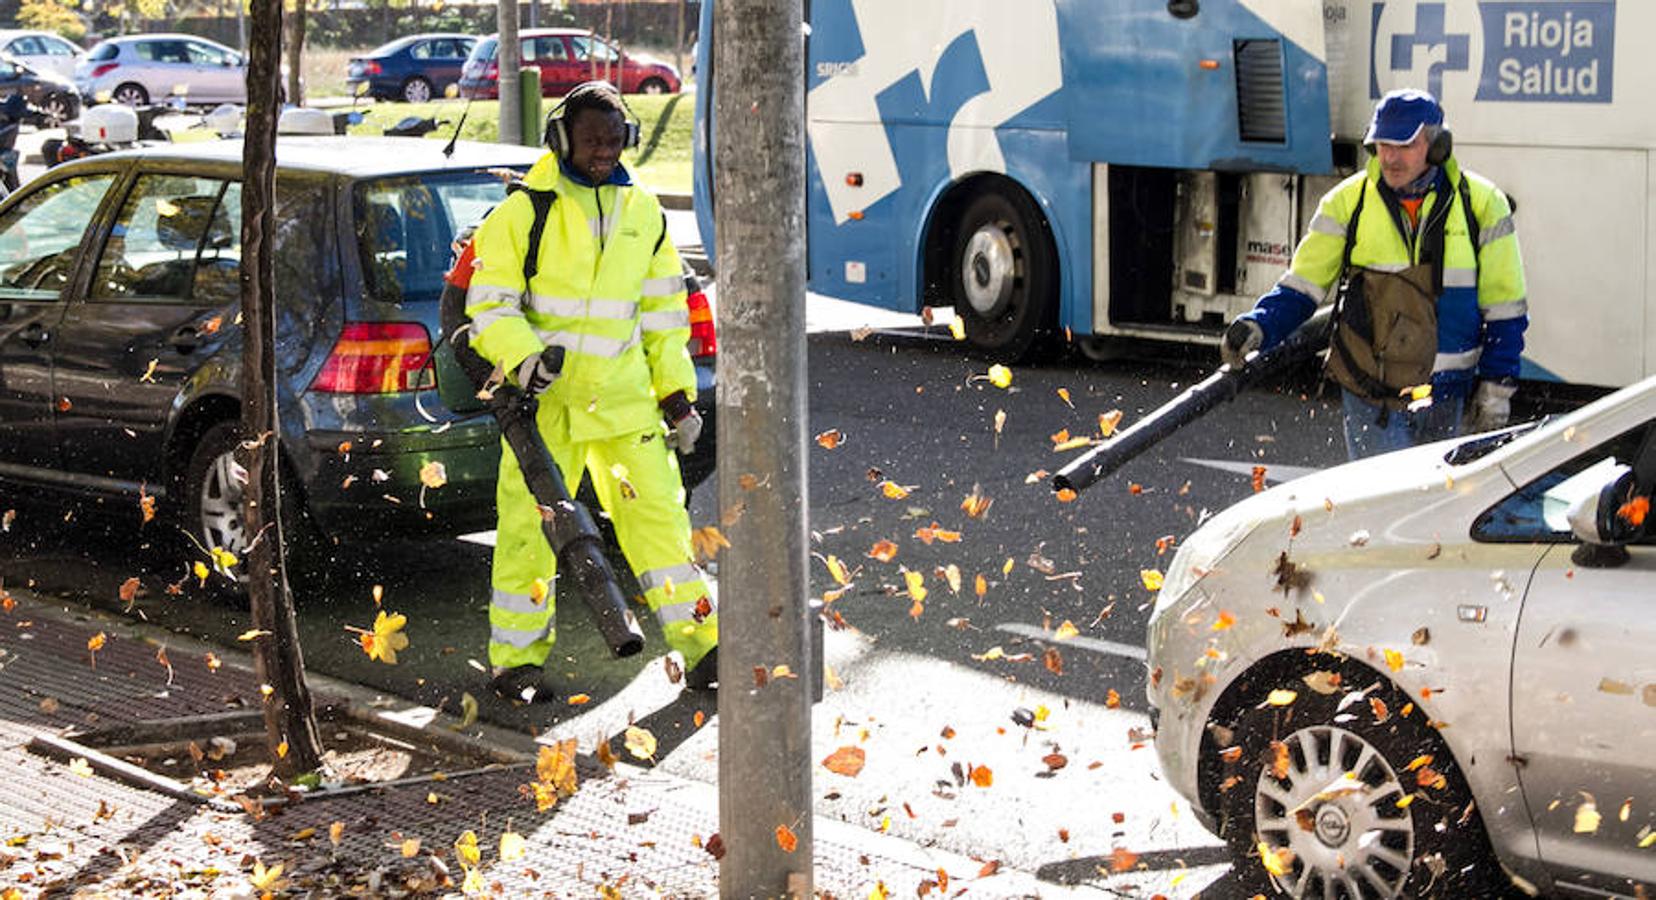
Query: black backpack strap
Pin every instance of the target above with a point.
(542, 202)
(1474, 232)
(1351, 231)
(660, 237)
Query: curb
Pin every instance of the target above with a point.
(676, 201)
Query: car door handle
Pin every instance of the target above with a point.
(34, 334)
(185, 339)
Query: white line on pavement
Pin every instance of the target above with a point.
(1108, 648)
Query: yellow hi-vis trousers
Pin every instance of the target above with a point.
(637, 481)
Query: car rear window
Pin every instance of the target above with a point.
(102, 52)
(485, 49)
(405, 226)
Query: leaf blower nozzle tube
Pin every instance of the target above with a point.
(568, 525)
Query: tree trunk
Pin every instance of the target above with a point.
(764, 616)
(296, 54)
(290, 722)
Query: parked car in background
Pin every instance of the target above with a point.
(138, 69)
(414, 68)
(1378, 680)
(41, 50)
(566, 57)
(51, 93)
(120, 354)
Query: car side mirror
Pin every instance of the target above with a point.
(1597, 519)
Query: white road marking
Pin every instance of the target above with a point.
(1275, 474)
(1108, 648)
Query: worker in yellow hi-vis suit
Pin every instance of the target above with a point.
(605, 284)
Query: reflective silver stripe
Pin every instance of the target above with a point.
(1324, 224)
(1497, 231)
(665, 321)
(1510, 310)
(1460, 277)
(663, 287)
(608, 222)
(493, 293)
(1303, 285)
(578, 308)
(1386, 267)
(680, 575)
(492, 315)
(675, 613)
(590, 344)
(1454, 362)
(518, 639)
(515, 603)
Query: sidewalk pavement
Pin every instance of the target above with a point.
(76, 823)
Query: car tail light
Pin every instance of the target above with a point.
(371, 68)
(377, 358)
(101, 69)
(491, 72)
(704, 340)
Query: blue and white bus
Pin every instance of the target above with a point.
(1142, 169)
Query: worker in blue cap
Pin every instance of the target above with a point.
(1420, 258)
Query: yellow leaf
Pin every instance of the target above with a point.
(555, 767)
(512, 846)
(538, 591)
(1000, 376)
(640, 742)
(1648, 841)
(1063, 394)
(1278, 862)
(976, 503)
(81, 767)
(879, 891)
(303, 834)
(1282, 697)
(837, 570)
(465, 847)
(223, 559)
(473, 885)
(96, 642)
(410, 848)
(1006, 567)
(336, 833)
(708, 541)
(388, 637)
(1152, 579)
(957, 328)
(265, 879)
(1587, 816)
(201, 571)
(916, 585)
(1071, 444)
(282, 750)
(1107, 422)
(1425, 759)
(433, 475)
(1394, 660)
(1065, 631)
(252, 634)
(951, 574)
(1225, 620)
(992, 654)
(893, 490)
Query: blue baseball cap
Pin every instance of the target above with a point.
(1401, 115)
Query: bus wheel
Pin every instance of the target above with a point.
(1002, 275)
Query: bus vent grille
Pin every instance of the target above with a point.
(1262, 114)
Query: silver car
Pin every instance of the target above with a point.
(41, 50)
(1431, 673)
(150, 68)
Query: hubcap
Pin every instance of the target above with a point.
(418, 92)
(221, 495)
(129, 96)
(989, 272)
(1337, 812)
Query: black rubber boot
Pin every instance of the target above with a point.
(520, 684)
(705, 676)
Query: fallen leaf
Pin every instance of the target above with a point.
(640, 742)
(1053, 660)
(1122, 860)
(1000, 376)
(847, 761)
(785, 839)
(1281, 697)
(1279, 862)
(1152, 579)
(894, 491)
(884, 551)
(830, 439)
(512, 846)
(1065, 630)
(433, 474)
(264, 879)
(79, 766)
(836, 569)
(465, 847)
(410, 848)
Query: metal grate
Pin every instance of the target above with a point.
(1262, 114)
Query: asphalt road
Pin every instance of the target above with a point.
(929, 694)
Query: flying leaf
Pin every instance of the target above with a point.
(1587, 815)
(707, 542)
(837, 570)
(1394, 660)
(976, 503)
(223, 559)
(539, 590)
(847, 761)
(1000, 376)
(1066, 495)
(1278, 862)
(96, 642)
(640, 742)
(982, 777)
(1108, 422)
(512, 846)
(1282, 697)
(433, 474)
(336, 833)
(146, 506)
(1225, 620)
(252, 634)
(1152, 579)
(465, 847)
(1122, 860)
(893, 490)
(884, 551)
(830, 439)
(1063, 394)
(785, 839)
(201, 571)
(386, 638)
(1633, 512)
(1053, 660)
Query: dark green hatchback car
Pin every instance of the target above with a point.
(120, 338)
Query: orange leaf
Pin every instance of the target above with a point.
(982, 777)
(129, 590)
(1112, 700)
(981, 586)
(884, 551)
(579, 699)
(1281, 762)
(1066, 495)
(1633, 512)
(1258, 478)
(96, 642)
(785, 839)
(976, 503)
(1053, 660)
(936, 532)
(847, 761)
(1226, 620)
(893, 490)
(1122, 859)
(830, 439)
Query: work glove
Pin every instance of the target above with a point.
(1243, 337)
(684, 423)
(1492, 405)
(535, 375)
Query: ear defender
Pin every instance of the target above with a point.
(1442, 145)
(556, 136)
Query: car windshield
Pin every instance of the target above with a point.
(406, 224)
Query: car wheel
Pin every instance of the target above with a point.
(1318, 786)
(1002, 275)
(131, 94)
(416, 90)
(213, 486)
(653, 86)
(57, 110)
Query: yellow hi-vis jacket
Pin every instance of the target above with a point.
(609, 289)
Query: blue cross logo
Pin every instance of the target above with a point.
(1429, 33)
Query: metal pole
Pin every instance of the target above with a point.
(509, 58)
(759, 176)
